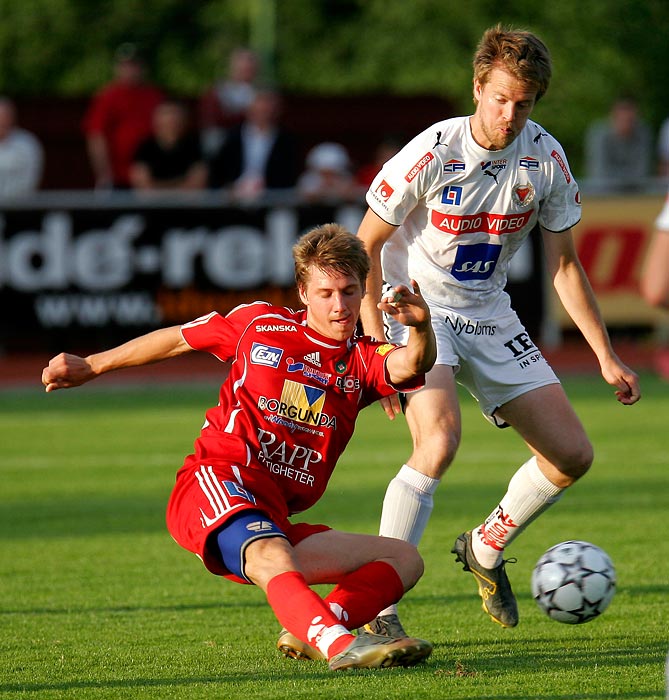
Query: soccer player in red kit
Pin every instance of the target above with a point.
(296, 383)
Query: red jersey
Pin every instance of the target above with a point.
(289, 404)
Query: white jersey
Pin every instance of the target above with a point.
(463, 211)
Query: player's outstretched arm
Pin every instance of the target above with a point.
(408, 307)
(578, 299)
(66, 370)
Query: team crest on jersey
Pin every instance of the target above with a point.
(452, 194)
(523, 194)
(340, 367)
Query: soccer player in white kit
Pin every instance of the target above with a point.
(450, 210)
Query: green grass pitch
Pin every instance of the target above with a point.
(97, 601)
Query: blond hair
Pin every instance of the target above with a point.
(519, 52)
(330, 247)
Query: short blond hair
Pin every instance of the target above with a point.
(517, 51)
(330, 247)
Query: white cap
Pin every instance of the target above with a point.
(328, 156)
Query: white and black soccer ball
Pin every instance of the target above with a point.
(574, 582)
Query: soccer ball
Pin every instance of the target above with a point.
(574, 582)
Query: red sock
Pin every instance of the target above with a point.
(304, 613)
(364, 592)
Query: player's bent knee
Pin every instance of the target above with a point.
(436, 452)
(578, 461)
(408, 563)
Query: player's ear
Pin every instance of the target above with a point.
(477, 90)
(301, 292)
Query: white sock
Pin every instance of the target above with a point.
(324, 636)
(528, 495)
(406, 509)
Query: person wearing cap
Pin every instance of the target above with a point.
(119, 118)
(328, 175)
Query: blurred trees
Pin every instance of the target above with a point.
(64, 47)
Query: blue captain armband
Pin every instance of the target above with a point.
(238, 533)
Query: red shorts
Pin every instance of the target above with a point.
(205, 496)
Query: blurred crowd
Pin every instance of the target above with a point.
(234, 138)
(140, 138)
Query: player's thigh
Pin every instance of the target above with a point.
(549, 425)
(328, 556)
(433, 417)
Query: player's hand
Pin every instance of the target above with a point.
(406, 305)
(65, 371)
(391, 405)
(626, 381)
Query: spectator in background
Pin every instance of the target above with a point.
(171, 158)
(663, 149)
(228, 100)
(328, 174)
(383, 153)
(619, 149)
(21, 155)
(119, 118)
(258, 154)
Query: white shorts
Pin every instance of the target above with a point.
(493, 355)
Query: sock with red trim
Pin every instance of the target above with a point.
(529, 494)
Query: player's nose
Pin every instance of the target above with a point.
(509, 112)
(338, 302)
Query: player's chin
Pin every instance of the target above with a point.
(505, 140)
(343, 329)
